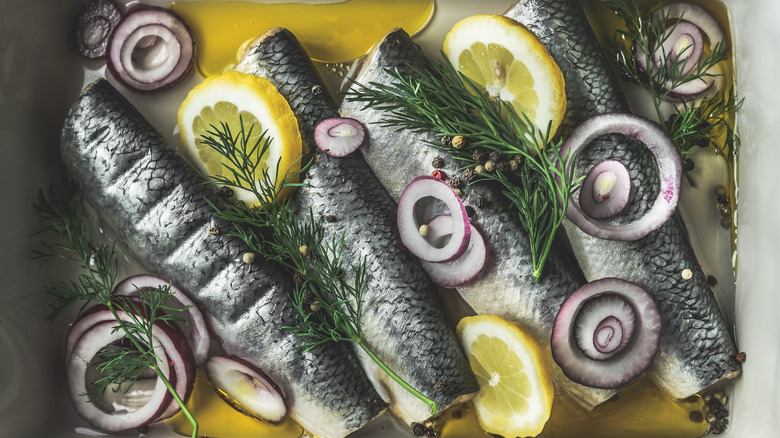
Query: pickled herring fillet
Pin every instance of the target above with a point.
(506, 287)
(155, 202)
(403, 318)
(696, 347)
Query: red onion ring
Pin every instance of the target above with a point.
(689, 21)
(246, 388)
(199, 339)
(409, 226)
(133, 33)
(617, 340)
(86, 348)
(461, 270)
(175, 349)
(666, 155)
(606, 190)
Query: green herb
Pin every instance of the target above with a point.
(444, 101)
(61, 210)
(689, 124)
(328, 295)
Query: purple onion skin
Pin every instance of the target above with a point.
(94, 25)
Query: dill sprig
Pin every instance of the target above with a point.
(61, 210)
(444, 101)
(328, 294)
(688, 124)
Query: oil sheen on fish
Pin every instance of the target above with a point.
(155, 202)
(507, 287)
(696, 347)
(403, 318)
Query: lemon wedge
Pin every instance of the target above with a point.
(510, 63)
(514, 372)
(236, 98)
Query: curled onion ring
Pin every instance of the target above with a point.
(461, 270)
(150, 50)
(666, 155)
(199, 339)
(690, 24)
(427, 186)
(606, 333)
(175, 363)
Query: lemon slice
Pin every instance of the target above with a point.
(510, 63)
(514, 372)
(235, 98)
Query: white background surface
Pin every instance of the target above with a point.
(40, 76)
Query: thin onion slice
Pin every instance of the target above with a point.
(339, 136)
(606, 190)
(461, 270)
(199, 338)
(408, 224)
(606, 333)
(667, 158)
(689, 25)
(175, 363)
(246, 388)
(151, 49)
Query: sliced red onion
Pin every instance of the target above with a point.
(682, 47)
(95, 22)
(175, 348)
(339, 136)
(409, 226)
(246, 388)
(199, 338)
(604, 326)
(606, 333)
(667, 158)
(606, 190)
(151, 49)
(690, 23)
(85, 350)
(461, 270)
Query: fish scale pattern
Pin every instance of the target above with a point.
(298, 82)
(506, 287)
(155, 201)
(696, 347)
(403, 321)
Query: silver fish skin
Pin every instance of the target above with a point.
(156, 203)
(696, 349)
(403, 318)
(506, 287)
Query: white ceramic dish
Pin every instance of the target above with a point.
(40, 75)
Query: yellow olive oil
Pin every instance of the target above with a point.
(641, 410)
(217, 419)
(332, 32)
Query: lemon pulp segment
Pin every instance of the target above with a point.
(228, 102)
(514, 373)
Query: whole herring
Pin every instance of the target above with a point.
(696, 348)
(156, 203)
(506, 287)
(403, 320)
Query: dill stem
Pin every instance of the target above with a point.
(178, 399)
(155, 368)
(396, 377)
